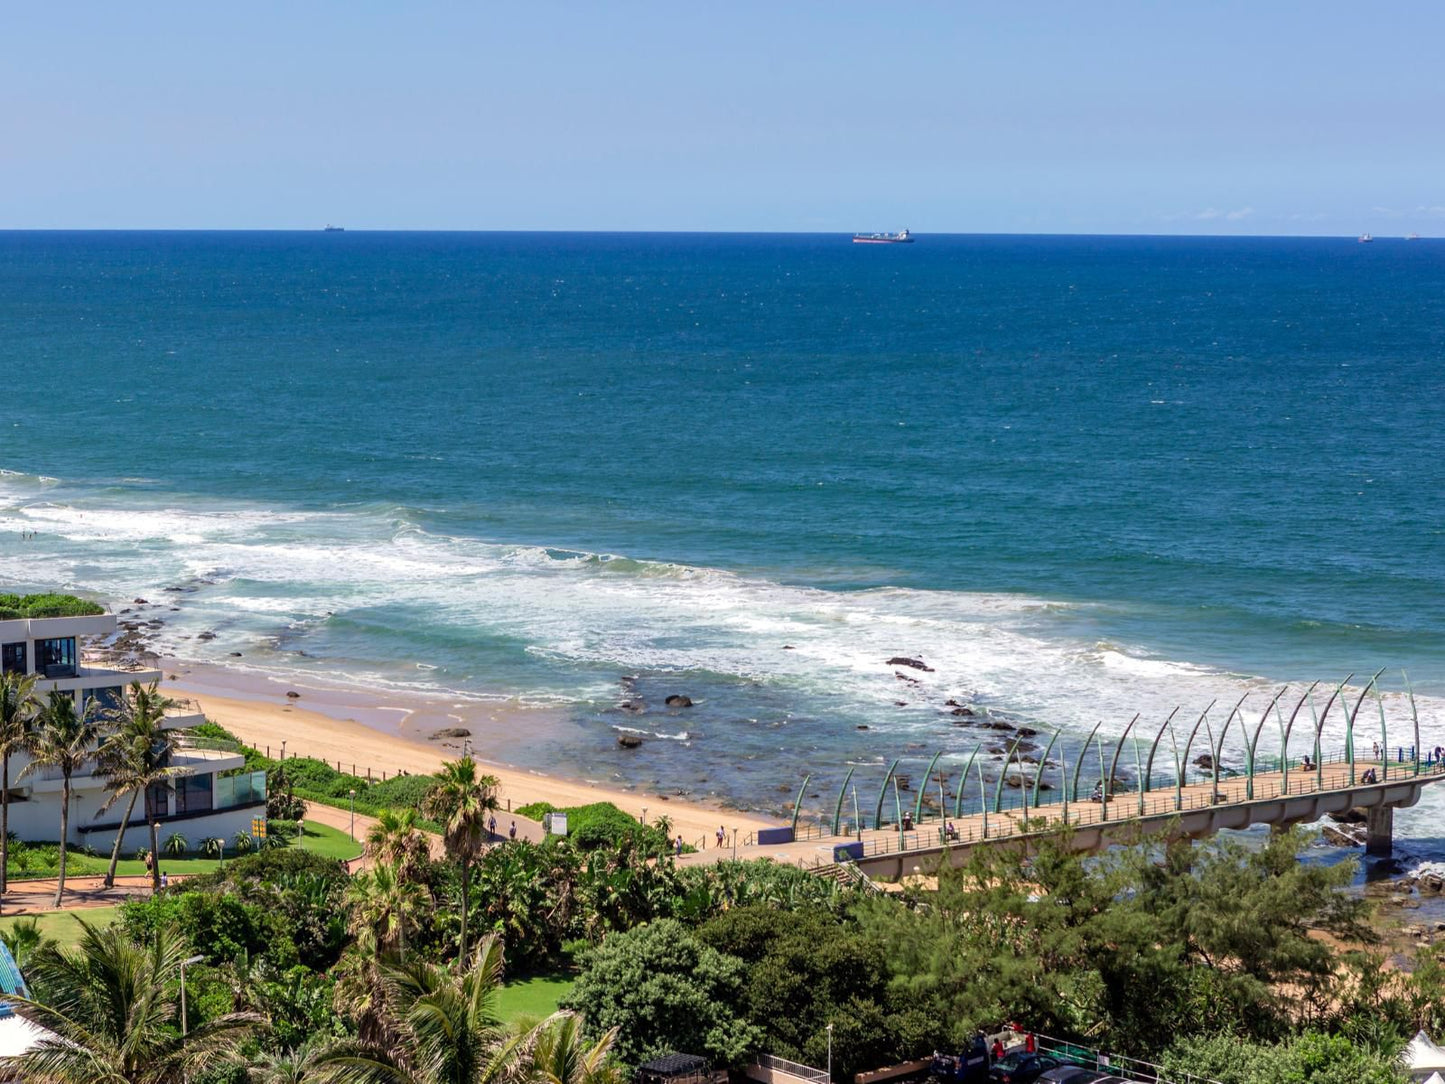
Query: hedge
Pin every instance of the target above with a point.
(48, 605)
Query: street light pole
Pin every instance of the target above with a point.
(353, 814)
(830, 1053)
(184, 963)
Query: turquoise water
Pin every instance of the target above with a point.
(1078, 477)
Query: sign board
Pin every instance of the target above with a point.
(258, 827)
(559, 824)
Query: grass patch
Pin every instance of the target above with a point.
(64, 926)
(329, 842)
(535, 997)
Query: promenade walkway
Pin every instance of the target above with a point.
(1195, 809)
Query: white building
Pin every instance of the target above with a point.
(197, 803)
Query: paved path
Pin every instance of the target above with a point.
(81, 893)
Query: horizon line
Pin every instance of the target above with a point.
(671, 231)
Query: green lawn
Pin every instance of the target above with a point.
(328, 841)
(62, 925)
(534, 997)
(324, 840)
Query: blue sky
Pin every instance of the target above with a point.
(1283, 118)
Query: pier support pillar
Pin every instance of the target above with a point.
(1380, 830)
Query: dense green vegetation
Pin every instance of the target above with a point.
(602, 824)
(47, 605)
(449, 956)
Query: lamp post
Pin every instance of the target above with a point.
(830, 1053)
(644, 814)
(184, 965)
(735, 844)
(353, 814)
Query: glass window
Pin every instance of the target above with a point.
(55, 658)
(105, 700)
(13, 659)
(157, 801)
(193, 793)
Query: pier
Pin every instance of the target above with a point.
(1024, 802)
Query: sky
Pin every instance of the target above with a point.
(1099, 117)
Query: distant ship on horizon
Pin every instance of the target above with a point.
(1365, 238)
(902, 237)
(333, 229)
(1412, 237)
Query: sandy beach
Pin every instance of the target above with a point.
(360, 730)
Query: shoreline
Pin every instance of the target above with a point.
(384, 733)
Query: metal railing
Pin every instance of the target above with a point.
(792, 1068)
(1145, 1072)
(1015, 815)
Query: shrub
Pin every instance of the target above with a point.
(47, 605)
(176, 845)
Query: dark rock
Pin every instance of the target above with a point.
(861, 726)
(676, 700)
(207, 635)
(1204, 760)
(917, 664)
(173, 590)
(629, 741)
(292, 694)
(1349, 816)
(789, 647)
(964, 713)
(235, 654)
(998, 724)
(451, 732)
(1027, 732)
(900, 703)
(140, 602)
(996, 750)
(634, 707)
(952, 703)
(905, 677)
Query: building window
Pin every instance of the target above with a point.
(106, 700)
(55, 658)
(13, 658)
(193, 794)
(157, 802)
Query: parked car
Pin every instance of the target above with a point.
(1074, 1074)
(1021, 1067)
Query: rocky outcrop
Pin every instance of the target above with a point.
(629, 741)
(916, 664)
(450, 732)
(677, 700)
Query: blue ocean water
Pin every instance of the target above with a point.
(1079, 477)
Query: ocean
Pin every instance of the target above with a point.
(1076, 477)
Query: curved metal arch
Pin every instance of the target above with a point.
(1184, 760)
(1178, 773)
(1414, 715)
(798, 805)
(1149, 768)
(1138, 769)
(842, 793)
(1079, 764)
(1039, 775)
(1118, 748)
(1384, 734)
(1350, 724)
(1218, 749)
(983, 798)
(1003, 774)
(898, 806)
(1285, 730)
(1320, 722)
(1251, 744)
(883, 793)
(922, 790)
(963, 781)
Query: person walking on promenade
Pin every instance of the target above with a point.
(512, 833)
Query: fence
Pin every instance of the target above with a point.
(1145, 1072)
(775, 1067)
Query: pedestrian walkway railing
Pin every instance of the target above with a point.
(791, 1068)
(1145, 1072)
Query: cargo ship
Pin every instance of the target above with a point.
(333, 229)
(902, 237)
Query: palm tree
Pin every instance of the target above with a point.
(109, 1002)
(17, 708)
(446, 1031)
(460, 800)
(383, 905)
(397, 840)
(135, 758)
(63, 738)
(560, 1054)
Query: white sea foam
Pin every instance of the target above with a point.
(290, 574)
